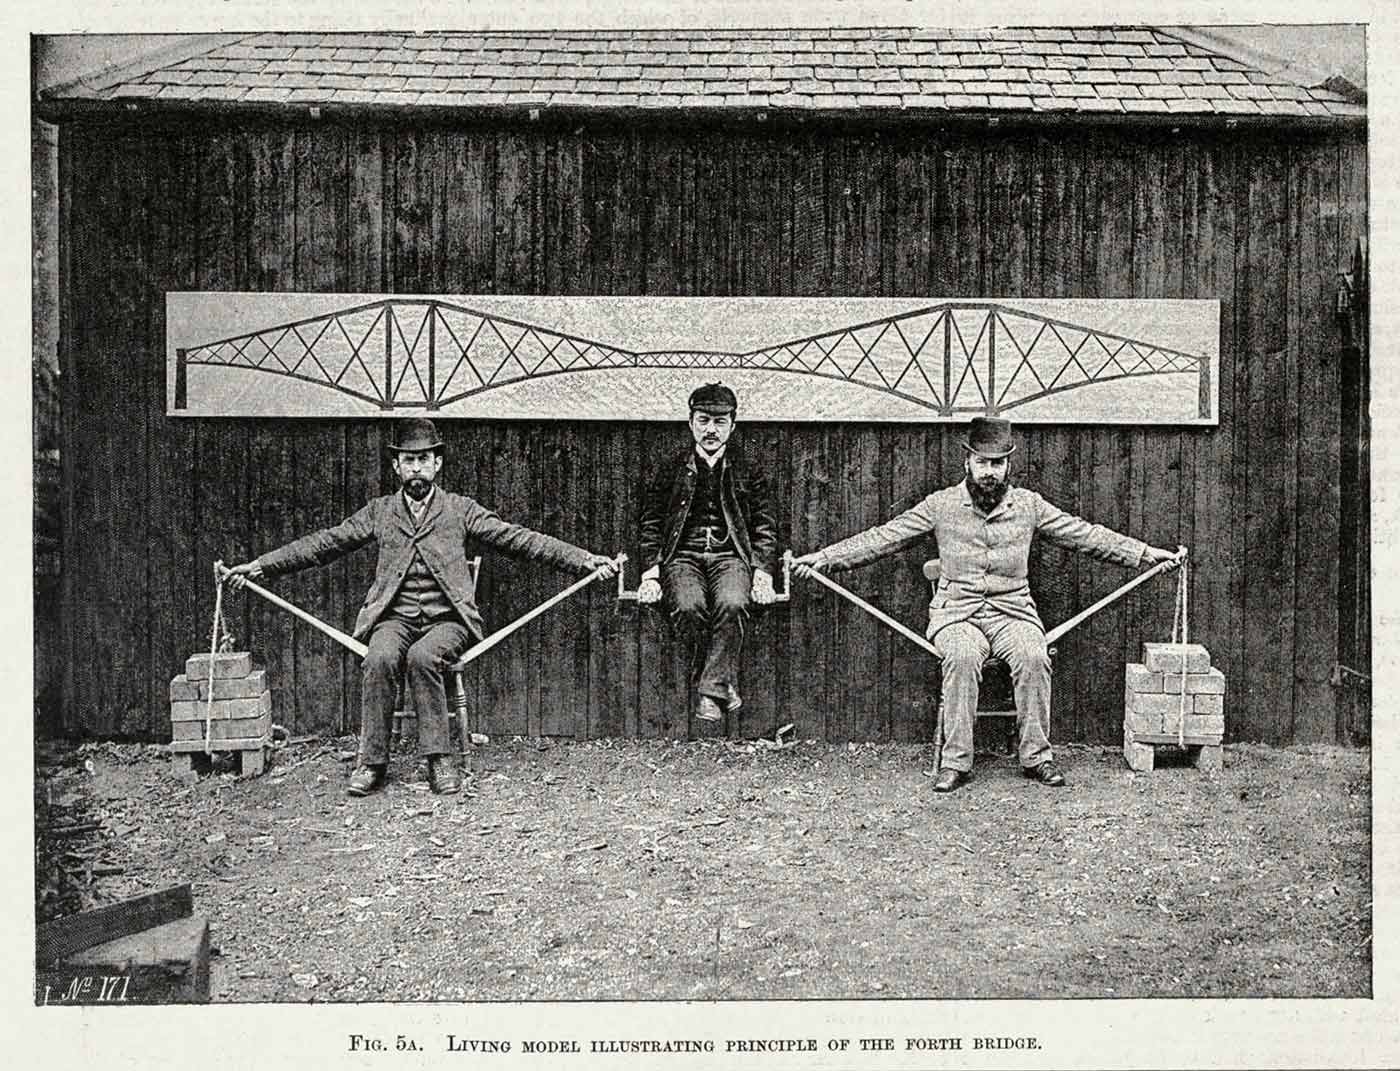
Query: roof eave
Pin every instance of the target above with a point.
(73, 109)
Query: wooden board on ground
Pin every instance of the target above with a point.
(166, 964)
(65, 936)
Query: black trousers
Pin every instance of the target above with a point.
(708, 596)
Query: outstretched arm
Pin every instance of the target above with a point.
(318, 548)
(863, 547)
(521, 542)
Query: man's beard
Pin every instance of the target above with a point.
(987, 493)
(417, 488)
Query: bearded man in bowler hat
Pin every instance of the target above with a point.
(421, 612)
(708, 544)
(984, 526)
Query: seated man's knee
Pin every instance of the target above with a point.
(960, 653)
(422, 659)
(1031, 656)
(381, 662)
(730, 604)
(688, 609)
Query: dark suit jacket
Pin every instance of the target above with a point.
(441, 540)
(748, 509)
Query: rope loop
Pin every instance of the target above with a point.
(218, 632)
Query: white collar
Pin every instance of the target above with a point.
(711, 460)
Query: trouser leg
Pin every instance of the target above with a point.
(683, 584)
(1021, 645)
(963, 649)
(381, 676)
(728, 585)
(427, 660)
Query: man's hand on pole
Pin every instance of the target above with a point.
(761, 590)
(606, 567)
(1157, 555)
(808, 564)
(237, 575)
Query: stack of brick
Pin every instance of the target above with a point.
(239, 719)
(1153, 706)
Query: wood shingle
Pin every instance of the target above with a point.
(1030, 69)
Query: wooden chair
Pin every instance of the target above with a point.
(459, 710)
(997, 697)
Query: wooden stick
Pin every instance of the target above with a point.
(481, 647)
(908, 633)
(315, 622)
(1060, 629)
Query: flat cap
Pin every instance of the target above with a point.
(713, 398)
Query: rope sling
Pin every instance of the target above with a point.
(219, 633)
(1179, 619)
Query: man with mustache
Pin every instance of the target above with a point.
(708, 543)
(421, 611)
(984, 527)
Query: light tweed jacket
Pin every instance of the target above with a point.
(984, 556)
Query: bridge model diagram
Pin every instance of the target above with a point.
(946, 360)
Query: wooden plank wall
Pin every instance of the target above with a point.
(1260, 221)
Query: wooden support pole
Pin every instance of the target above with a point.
(315, 622)
(481, 647)
(1113, 596)
(879, 615)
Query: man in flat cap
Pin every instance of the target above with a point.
(984, 526)
(708, 543)
(421, 612)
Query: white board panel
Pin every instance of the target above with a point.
(1074, 361)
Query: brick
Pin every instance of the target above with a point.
(1208, 704)
(1166, 657)
(1197, 724)
(182, 689)
(1156, 704)
(1141, 679)
(1209, 683)
(225, 729)
(1144, 723)
(221, 709)
(226, 664)
(1139, 757)
(249, 687)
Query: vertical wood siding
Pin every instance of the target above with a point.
(1261, 222)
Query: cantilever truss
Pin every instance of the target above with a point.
(953, 358)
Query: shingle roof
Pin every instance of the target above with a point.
(1108, 70)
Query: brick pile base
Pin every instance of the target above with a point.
(241, 710)
(1153, 707)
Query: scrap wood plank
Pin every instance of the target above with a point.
(63, 937)
(163, 964)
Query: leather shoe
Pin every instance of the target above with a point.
(443, 777)
(732, 699)
(1046, 773)
(706, 709)
(948, 779)
(364, 780)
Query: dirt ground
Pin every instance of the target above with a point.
(721, 870)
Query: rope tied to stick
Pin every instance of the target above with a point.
(220, 639)
(1179, 620)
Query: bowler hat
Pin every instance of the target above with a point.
(989, 437)
(414, 435)
(713, 398)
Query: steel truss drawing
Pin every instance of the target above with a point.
(953, 358)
